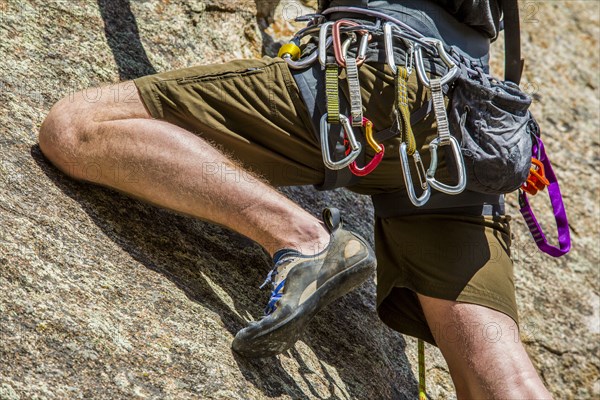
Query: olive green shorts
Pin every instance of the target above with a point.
(253, 111)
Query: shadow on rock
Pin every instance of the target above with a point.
(123, 37)
(222, 271)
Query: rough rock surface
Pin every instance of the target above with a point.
(102, 296)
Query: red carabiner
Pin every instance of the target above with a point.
(367, 169)
(340, 57)
(379, 152)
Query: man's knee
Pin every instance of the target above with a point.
(61, 132)
(72, 127)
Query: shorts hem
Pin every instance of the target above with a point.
(408, 326)
(149, 95)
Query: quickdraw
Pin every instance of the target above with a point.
(444, 139)
(408, 147)
(439, 107)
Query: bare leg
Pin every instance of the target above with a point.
(117, 144)
(483, 351)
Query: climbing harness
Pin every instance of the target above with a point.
(477, 156)
(485, 153)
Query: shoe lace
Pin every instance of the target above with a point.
(277, 286)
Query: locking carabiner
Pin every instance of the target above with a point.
(460, 166)
(291, 50)
(354, 144)
(453, 69)
(379, 152)
(410, 189)
(307, 61)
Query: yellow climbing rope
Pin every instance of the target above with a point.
(422, 393)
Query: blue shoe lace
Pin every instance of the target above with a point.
(276, 293)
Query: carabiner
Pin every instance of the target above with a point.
(410, 189)
(354, 144)
(460, 167)
(388, 36)
(340, 55)
(536, 180)
(291, 50)
(453, 69)
(408, 63)
(305, 62)
(388, 40)
(367, 169)
(323, 43)
(368, 125)
(361, 56)
(379, 152)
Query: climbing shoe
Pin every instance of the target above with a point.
(303, 285)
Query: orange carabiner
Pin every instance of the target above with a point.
(379, 152)
(536, 180)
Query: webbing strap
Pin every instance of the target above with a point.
(558, 207)
(402, 111)
(354, 91)
(513, 63)
(397, 204)
(332, 93)
(439, 108)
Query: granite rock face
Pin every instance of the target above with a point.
(102, 296)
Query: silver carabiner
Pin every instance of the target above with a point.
(324, 43)
(410, 189)
(347, 43)
(307, 61)
(388, 39)
(408, 62)
(354, 144)
(460, 167)
(361, 54)
(453, 70)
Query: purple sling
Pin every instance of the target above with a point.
(562, 224)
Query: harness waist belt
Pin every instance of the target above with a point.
(397, 204)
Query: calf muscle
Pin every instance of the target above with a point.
(483, 351)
